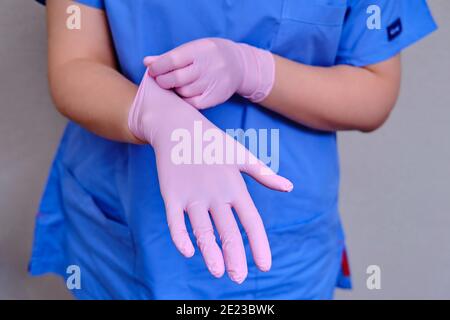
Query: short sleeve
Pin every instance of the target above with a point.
(99, 4)
(403, 22)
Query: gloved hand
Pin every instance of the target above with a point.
(209, 71)
(160, 118)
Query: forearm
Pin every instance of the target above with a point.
(84, 83)
(335, 98)
(95, 96)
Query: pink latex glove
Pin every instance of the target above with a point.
(209, 71)
(156, 116)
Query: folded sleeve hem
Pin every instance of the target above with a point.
(388, 53)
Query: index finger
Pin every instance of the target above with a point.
(175, 59)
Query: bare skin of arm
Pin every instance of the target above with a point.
(87, 88)
(335, 98)
(84, 82)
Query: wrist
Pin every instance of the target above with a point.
(258, 73)
(134, 119)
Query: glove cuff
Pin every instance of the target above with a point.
(259, 73)
(134, 115)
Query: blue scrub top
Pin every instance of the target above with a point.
(102, 209)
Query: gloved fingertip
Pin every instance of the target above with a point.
(216, 269)
(217, 274)
(187, 249)
(288, 186)
(189, 253)
(149, 59)
(151, 73)
(239, 279)
(264, 267)
(284, 184)
(237, 276)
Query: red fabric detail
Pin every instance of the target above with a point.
(344, 264)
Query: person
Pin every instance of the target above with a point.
(302, 69)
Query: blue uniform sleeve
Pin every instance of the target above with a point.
(99, 4)
(403, 22)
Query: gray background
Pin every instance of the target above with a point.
(395, 196)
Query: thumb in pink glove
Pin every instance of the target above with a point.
(203, 190)
(209, 71)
